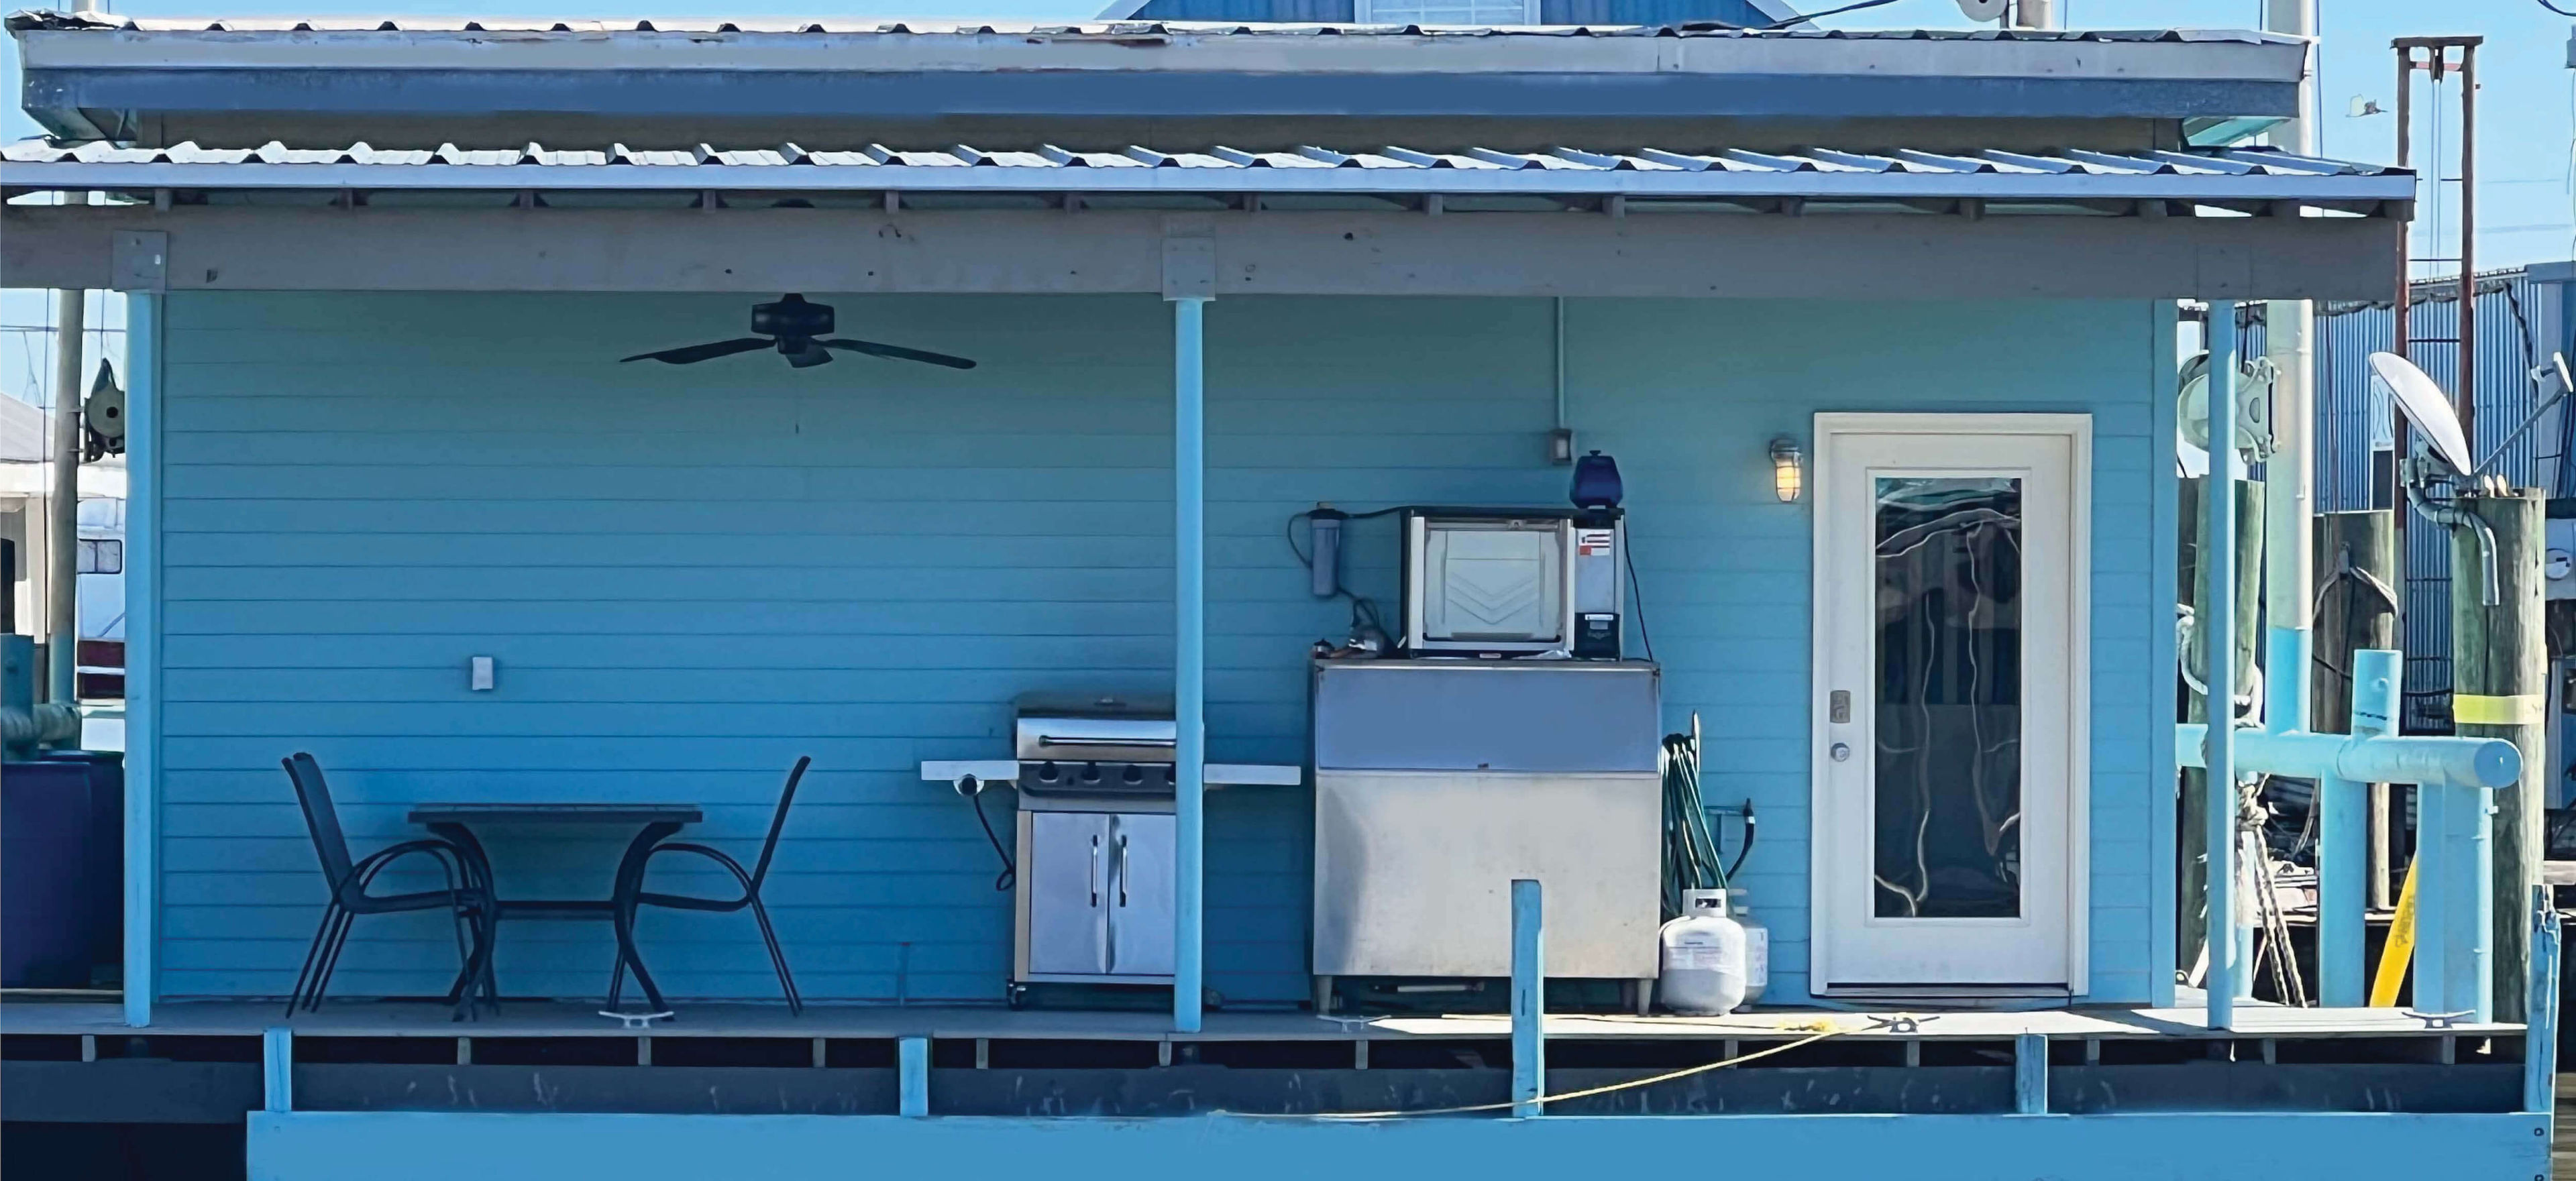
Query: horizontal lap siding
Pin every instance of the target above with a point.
(690, 576)
(1689, 395)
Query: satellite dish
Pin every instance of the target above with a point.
(2426, 408)
(1984, 10)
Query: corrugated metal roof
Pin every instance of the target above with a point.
(2070, 174)
(106, 22)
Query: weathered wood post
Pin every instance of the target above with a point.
(2356, 563)
(2499, 679)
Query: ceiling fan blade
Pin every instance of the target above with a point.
(898, 352)
(692, 354)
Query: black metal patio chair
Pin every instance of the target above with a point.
(465, 898)
(749, 899)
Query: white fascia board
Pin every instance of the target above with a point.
(73, 176)
(1180, 49)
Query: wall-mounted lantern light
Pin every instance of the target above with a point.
(1788, 469)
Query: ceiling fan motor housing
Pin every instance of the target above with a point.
(791, 316)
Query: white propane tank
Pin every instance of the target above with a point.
(1757, 944)
(1703, 957)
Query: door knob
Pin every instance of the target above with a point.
(1840, 752)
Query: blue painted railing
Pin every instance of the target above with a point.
(2453, 914)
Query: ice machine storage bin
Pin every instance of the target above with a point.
(1439, 781)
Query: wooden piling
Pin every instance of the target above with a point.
(2356, 557)
(2499, 689)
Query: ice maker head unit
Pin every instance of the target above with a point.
(1514, 582)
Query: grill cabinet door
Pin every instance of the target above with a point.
(1143, 849)
(1068, 893)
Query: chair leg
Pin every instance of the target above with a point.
(312, 955)
(476, 973)
(616, 981)
(777, 957)
(337, 939)
(469, 923)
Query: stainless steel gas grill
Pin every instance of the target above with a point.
(1096, 841)
(1096, 746)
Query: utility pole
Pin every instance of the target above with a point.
(2194, 812)
(62, 508)
(62, 524)
(2499, 689)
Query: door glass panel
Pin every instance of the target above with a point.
(1947, 790)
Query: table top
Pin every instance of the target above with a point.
(556, 814)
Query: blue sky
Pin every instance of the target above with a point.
(2526, 189)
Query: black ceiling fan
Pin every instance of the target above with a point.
(802, 333)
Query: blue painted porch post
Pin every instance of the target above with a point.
(2454, 966)
(2433, 856)
(912, 1076)
(2218, 631)
(276, 1047)
(1189, 558)
(142, 652)
(1529, 999)
(2342, 850)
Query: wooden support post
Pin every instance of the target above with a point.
(2356, 558)
(2193, 846)
(2030, 1074)
(912, 1059)
(277, 1067)
(2499, 689)
(1529, 1000)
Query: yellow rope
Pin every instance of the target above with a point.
(1825, 1030)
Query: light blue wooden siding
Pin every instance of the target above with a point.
(689, 576)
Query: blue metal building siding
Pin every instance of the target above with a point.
(1552, 12)
(2522, 320)
(691, 576)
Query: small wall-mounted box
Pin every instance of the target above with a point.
(478, 674)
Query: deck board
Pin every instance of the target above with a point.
(568, 1019)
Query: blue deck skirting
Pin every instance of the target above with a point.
(2345, 1146)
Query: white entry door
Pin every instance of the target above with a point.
(1951, 671)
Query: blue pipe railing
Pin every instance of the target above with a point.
(2453, 911)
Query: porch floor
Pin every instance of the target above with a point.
(529, 1018)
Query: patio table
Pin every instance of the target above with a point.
(457, 823)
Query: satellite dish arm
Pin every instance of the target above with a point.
(2457, 518)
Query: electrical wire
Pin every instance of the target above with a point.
(2556, 9)
(1637, 595)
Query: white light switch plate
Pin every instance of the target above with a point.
(480, 678)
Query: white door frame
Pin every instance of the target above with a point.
(2078, 430)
